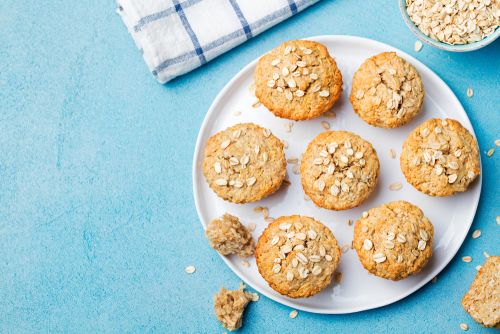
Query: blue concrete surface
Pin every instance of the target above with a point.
(97, 220)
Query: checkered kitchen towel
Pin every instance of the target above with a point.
(177, 36)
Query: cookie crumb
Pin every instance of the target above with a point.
(392, 153)
(325, 125)
(227, 235)
(338, 277)
(482, 299)
(229, 306)
(329, 114)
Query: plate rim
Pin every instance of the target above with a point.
(289, 303)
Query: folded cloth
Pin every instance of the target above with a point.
(177, 36)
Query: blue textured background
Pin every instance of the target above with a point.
(97, 220)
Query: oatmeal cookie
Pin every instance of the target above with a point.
(482, 301)
(297, 256)
(387, 91)
(244, 163)
(393, 240)
(298, 80)
(229, 306)
(440, 157)
(339, 170)
(228, 236)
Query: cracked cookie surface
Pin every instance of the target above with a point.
(339, 170)
(244, 163)
(393, 240)
(387, 91)
(440, 157)
(297, 256)
(298, 80)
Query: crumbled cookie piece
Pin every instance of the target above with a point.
(228, 236)
(387, 91)
(244, 163)
(440, 157)
(482, 301)
(229, 306)
(298, 80)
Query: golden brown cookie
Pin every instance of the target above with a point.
(244, 163)
(394, 240)
(440, 157)
(228, 236)
(298, 80)
(387, 91)
(339, 170)
(482, 301)
(297, 256)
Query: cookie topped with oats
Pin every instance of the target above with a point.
(297, 256)
(339, 170)
(387, 91)
(298, 80)
(440, 157)
(393, 240)
(244, 163)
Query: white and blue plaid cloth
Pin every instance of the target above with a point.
(177, 36)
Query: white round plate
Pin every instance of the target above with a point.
(358, 290)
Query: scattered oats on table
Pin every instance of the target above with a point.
(470, 92)
(190, 269)
(395, 186)
(418, 46)
(476, 234)
(294, 314)
(467, 259)
(490, 152)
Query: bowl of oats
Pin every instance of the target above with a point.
(453, 25)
